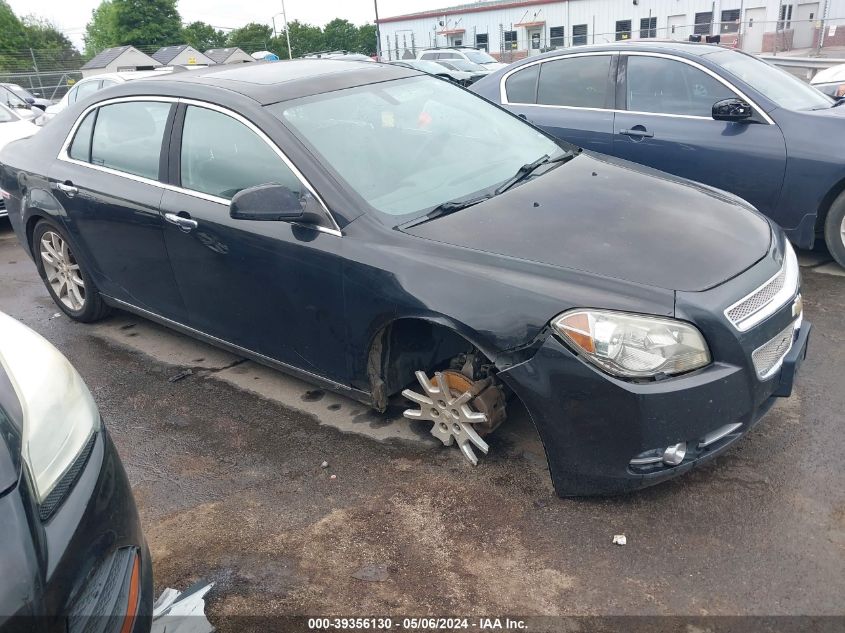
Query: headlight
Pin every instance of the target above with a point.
(59, 414)
(631, 345)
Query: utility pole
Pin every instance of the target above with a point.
(378, 33)
(287, 30)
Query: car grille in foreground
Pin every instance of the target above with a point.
(769, 356)
(758, 299)
(768, 298)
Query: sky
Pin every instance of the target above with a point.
(71, 16)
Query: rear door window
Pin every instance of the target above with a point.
(86, 89)
(80, 149)
(128, 137)
(580, 82)
(221, 156)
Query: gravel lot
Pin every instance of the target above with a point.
(225, 466)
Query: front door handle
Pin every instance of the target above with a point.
(638, 131)
(67, 188)
(186, 224)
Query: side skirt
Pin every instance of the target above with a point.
(356, 394)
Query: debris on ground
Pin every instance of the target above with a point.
(372, 573)
(333, 477)
(182, 374)
(324, 465)
(619, 539)
(184, 612)
(55, 316)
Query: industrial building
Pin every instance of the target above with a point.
(512, 29)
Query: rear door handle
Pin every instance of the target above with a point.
(637, 133)
(185, 224)
(68, 188)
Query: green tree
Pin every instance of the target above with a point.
(203, 36)
(101, 31)
(340, 34)
(49, 47)
(367, 39)
(251, 37)
(13, 43)
(147, 24)
(304, 39)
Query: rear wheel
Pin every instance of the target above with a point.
(70, 286)
(834, 229)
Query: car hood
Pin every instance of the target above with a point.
(612, 218)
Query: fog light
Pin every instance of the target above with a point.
(674, 454)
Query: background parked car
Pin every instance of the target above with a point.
(466, 53)
(72, 553)
(707, 113)
(830, 81)
(32, 99)
(438, 70)
(475, 71)
(89, 85)
(17, 104)
(12, 127)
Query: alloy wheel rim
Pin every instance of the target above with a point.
(62, 271)
(842, 231)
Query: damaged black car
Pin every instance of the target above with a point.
(379, 232)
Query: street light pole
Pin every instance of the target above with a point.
(287, 30)
(378, 34)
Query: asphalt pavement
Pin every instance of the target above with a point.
(225, 463)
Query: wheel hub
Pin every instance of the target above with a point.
(447, 406)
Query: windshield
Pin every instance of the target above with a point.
(9, 98)
(480, 57)
(786, 90)
(23, 94)
(409, 145)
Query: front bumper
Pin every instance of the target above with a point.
(592, 425)
(77, 575)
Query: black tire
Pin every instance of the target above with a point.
(93, 308)
(834, 229)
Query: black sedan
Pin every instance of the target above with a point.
(378, 231)
(72, 553)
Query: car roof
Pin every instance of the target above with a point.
(271, 82)
(690, 49)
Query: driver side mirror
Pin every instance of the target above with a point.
(29, 100)
(732, 110)
(266, 202)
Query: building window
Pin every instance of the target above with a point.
(481, 41)
(623, 29)
(730, 21)
(703, 22)
(457, 42)
(557, 37)
(648, 28)
(510, 40)
(785, 16)
(579, 35)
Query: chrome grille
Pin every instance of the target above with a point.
(768, 357)
(758, 300)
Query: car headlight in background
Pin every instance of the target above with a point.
(59, 414)
(632, 345)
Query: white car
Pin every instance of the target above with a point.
(830, 81)
(12, 127)
(89, 85)
(474, 55)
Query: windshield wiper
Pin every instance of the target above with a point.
(446, 208)
(526, 170)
